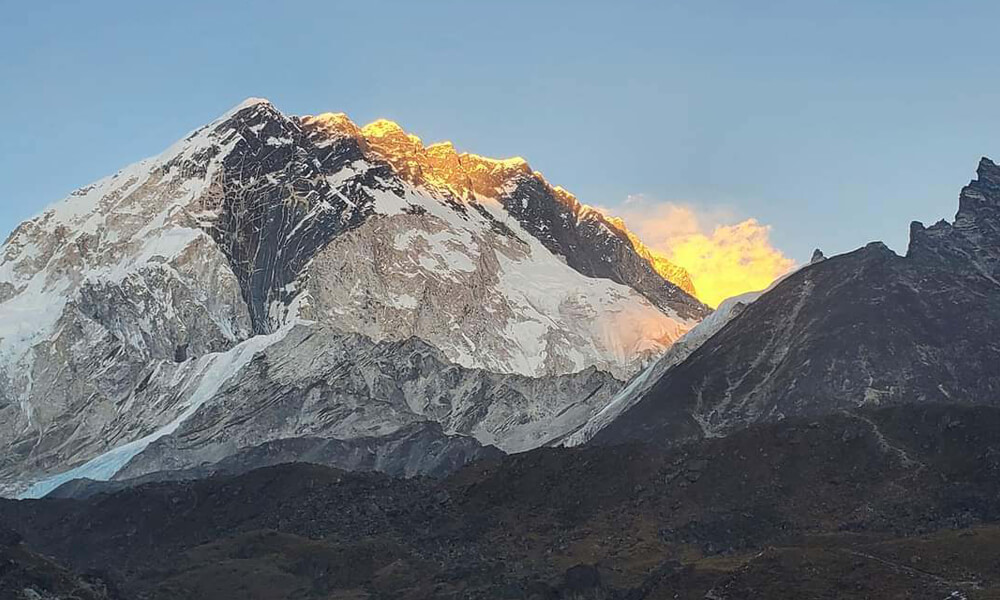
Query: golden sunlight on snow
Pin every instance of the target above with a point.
(709, 262)
(722, 260)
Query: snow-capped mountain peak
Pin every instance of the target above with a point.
(442, 169)
(127, 309)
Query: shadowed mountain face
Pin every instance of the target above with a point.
(277, 207)
(868, 328)
(890, 503)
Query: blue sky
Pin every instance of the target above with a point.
(835, 123)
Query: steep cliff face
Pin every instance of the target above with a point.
(352, 388)
(971, 244)
(137, 301)
(867, 328)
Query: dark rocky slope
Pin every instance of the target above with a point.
(595, 245)
(868, 328)
(25, 575)
(898, 502)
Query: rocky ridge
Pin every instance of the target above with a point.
(867, 328)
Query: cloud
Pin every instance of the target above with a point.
(723, 259)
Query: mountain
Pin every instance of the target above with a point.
(137, 304)
(420, 449)
(640, 384)
(294, 357)
(891, 502)
(868, 328)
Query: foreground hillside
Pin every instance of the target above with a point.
(887, 503)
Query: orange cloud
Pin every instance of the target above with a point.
(723, 260)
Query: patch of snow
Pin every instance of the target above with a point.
(404, 301)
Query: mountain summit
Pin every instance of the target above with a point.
(467, 177)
